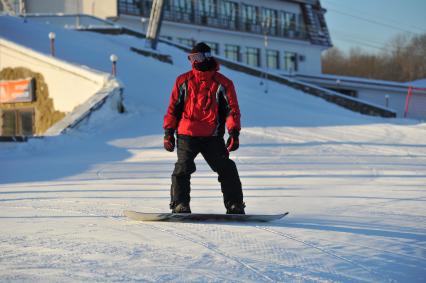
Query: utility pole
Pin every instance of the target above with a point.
(22, 9)
(8, 7)
(154, 24)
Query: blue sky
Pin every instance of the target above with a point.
(371, 24)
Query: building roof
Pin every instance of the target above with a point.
(311, 2)
(349, 81)
(316, 25)
(418, 83)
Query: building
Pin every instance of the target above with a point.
(287, 36)
(387, 94)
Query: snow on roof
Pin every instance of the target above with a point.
(418, 83)
(358, 80)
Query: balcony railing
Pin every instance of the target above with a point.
(221, 21)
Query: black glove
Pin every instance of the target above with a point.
(233, 142)
(169, 140)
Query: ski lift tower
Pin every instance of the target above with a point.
(154, 25)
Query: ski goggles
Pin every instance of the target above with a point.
(199, 57)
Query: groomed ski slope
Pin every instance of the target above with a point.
(354, 186)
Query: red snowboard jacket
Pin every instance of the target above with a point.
(201, 104)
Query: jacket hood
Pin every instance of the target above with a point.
(205, 75)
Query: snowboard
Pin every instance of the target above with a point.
(182, 217)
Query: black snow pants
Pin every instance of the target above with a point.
(216, 155)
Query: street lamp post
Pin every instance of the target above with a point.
(265, 26)
(52, 37)
(77, 18)
(114, 60)
(144, 21)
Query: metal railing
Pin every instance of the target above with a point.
(218, 20)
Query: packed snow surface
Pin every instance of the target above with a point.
(354, 186)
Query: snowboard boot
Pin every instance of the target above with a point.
(181, 208)
(235, 208)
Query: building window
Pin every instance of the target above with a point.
(290, 61)
(253, 56)
(230, 10)
(207, 8)
(300, 27)
(17, 122)
(213, 46)
(181, 11)
(130, 7)
(288, 23)
(229, 14)
(232, 52)
(250, 17)
(184, 6)
(186, 42)
(272, 59)
(269, 20)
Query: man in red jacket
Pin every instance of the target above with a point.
(201, 103)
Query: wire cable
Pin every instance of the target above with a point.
(372, 21)
(383, 20)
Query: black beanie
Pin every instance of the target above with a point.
(201, 47)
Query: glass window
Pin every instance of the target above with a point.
(272, 59)
(166, 5)
(253, 56)
(229, 17)
(250, 14)
(301, 27)
(183, 5)
(207, 8)
(269, 17)
(288, 21)
(130, 7)
(290, 61)
(232, 52)
(8, 123)
(185, 41)
(230, 10)
(17, 122)
(213, 46)
(26, 121)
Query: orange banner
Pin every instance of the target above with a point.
(16, 91)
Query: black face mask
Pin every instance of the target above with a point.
(207, 65)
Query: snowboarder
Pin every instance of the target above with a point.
(201, 103)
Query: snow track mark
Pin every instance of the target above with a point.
(211, 247)
(291, 237)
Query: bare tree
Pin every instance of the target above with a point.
(403, 59)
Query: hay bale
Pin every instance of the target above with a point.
(45, 114)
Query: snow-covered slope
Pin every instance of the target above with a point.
(354, 186)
